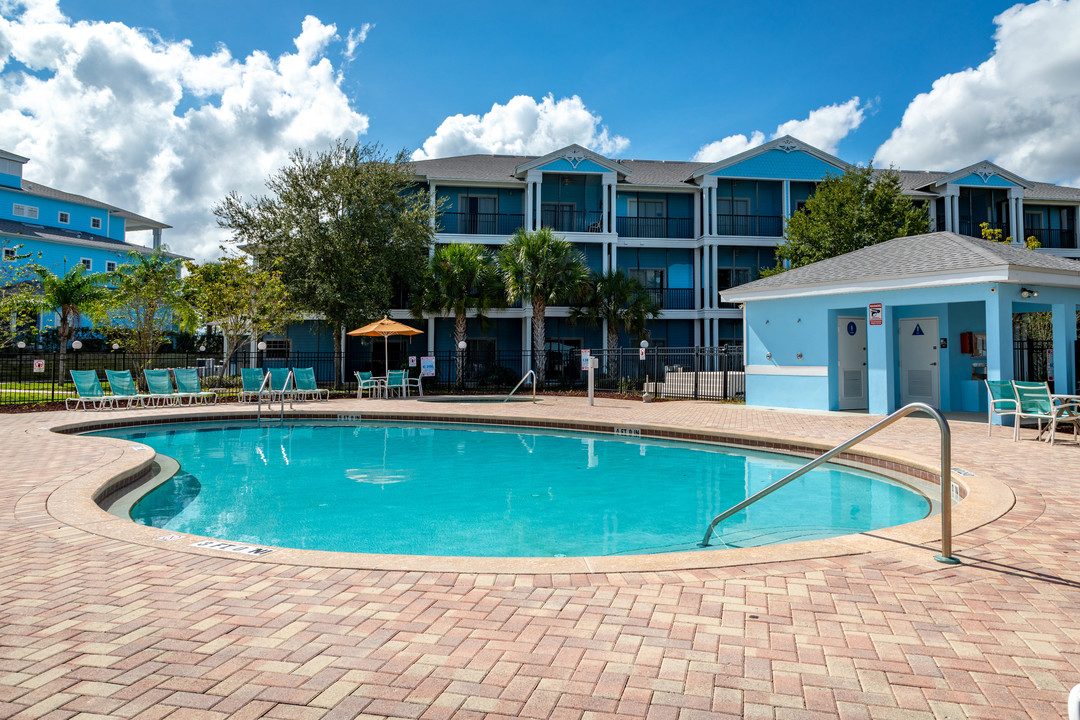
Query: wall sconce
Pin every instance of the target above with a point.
(1025, 293)
(798, 356)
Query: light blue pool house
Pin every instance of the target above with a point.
(917, 319)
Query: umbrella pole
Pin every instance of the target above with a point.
(386, 354)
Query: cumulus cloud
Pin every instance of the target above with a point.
(118, 114)
(355, 38)
(523, 126)
(823, 128)
(1020, 108)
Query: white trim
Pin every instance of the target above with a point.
(60, 217)
(30, 212)
(108, 263)
(88, 262)
(93, 226)
(789, 370)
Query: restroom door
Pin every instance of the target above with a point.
(851, 363)
(919, 371)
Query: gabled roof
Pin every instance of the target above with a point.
(133, 221)
(933, 259)
(575, 154)
(983, 169)
(785, 143)
(20, 230)
(5, 155)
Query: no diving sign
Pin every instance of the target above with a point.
(39, 366)
(875, 314)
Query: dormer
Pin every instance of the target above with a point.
(11, 166)
(785, 158)
(983, 174)
(572, 159)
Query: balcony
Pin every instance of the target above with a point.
(480, 223)
(673, 298)
(974, 229)
(578, 221)
(667, 228)
(750, 225)
(1053, 238)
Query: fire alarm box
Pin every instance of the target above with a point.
(967, 341)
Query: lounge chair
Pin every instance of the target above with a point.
(1035, 402)
(90, 392)
(366, 381)
(251, 384)
(159, 383)
(306, 387)
(281, 384)
(188, 385)
(123, 387)
(395, 382)
(1002, 401)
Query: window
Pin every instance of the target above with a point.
(26, 211)
(477, 214)
(87, 262)
(733, 206)
(63, 218)
(278, 348)
(110, 266)
(732, 277)
(95, 223)
(9, 253)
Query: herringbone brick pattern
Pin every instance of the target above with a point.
(96, 627)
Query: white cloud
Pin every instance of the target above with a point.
(1020, 108)
(523, 126)
(355, 38)
(117, 114)
(823, 128)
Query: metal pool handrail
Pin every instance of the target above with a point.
(945, 475)
(288, 381)
(523, 379)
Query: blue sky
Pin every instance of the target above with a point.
(165, 107)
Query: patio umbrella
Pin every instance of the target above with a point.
(385, 328)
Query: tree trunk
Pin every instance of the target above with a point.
(339, 353)
(539, 334)
(460, 324)
(613, 350)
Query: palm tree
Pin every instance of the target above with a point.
(546, 270)
(622, 301)
(69, 295)
(461, 278)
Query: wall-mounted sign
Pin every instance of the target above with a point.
(39, 366)
(427, 366)
(876, 317)
(852, 328)
(412, 361)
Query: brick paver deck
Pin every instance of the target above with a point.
(93, 625)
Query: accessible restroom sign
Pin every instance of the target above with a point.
(875, 314)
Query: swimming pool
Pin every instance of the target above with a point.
(425, 489)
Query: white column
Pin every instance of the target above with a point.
(614, 256)
(344, 339)
(431, 336)
(712, 277)
(697, 278)
(706, 216)
(528, 205)
(697, 215)
(526, 342)
(697, 333)
(605, 257)
(786, 204)
(1018, 219)
(948, 213)
(955, 199)
(713, 212)
(603, 331)
(434, 220)
(931, 206)
(1014, 230)
(537, 215)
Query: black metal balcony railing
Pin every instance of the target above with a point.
(1053, 237)
(480, 223)
(939, 226)
(974, 229)
(572, 220)
(750, 225)
(673, 298)
(655, 227)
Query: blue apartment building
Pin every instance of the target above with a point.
(59, 229)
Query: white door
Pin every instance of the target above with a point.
(919, 371)
(851, 362)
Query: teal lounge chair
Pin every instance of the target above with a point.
(1002, 401)
(123, 388)
(281, 384)
(91, 395)
(366, 381)
(395, 382)
(159, 383)
(252, 384)
(306, 387)
(187, 384)
(1034, 401)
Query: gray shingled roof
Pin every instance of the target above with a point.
(500, 168)
(134, 221)
(917, 255)
(19, 230)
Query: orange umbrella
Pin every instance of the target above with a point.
(385, 328)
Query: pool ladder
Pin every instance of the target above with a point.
(944, 476)
(270, 391)
(522, 380)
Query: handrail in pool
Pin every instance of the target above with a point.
(523, 379)
(270, 392)
(945, 475)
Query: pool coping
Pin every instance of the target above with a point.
(74, 502)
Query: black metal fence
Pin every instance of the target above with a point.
(34, 376)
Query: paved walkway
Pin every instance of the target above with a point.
(93, 626)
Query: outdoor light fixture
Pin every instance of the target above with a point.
(462, 345)
(115, 346)
(1025, 293)
(261, 345)
(77, 345)
(21, 345)
(644, 344)
(202, 348)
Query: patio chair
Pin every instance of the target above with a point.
(281, 384)
(91, 394)
(306, 387)
(159, 383)
(413, 382)
(395, 382)
(123, 387)
(1034, 402)
(366, 381)
(188, 385)
(251, 384)
(1002, 401)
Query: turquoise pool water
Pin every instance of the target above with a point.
(483, 491)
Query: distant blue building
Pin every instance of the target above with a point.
(59, 229)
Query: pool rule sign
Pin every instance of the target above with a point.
(875, 314)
